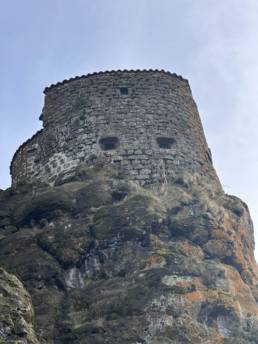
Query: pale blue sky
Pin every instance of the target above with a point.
(212, 43)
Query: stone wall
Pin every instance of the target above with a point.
(146, 122)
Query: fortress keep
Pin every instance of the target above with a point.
(114, 262)
(146, 122)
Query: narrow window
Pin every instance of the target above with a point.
(124, 91)
(165, 142)
(109, 143)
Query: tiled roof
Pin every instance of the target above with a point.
(114, 72)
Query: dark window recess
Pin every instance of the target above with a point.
(124, 91)
(109, 143)
(165, 142)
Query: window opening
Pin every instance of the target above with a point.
(165, 142)
(124, 91)
(109, 143)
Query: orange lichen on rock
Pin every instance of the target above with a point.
(195, 296)
(155, 261)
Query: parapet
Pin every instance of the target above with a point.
(145, 122)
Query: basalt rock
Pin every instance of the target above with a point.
(16, 312)
(107, 261)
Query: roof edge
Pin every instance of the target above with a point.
(65, 81)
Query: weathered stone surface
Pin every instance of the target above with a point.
(118, 263)
(106, 260)
(16, 312)
(156, 125)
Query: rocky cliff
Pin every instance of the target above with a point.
(16, 312)
(105, 260)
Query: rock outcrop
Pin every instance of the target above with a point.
(16, 312)
(107, 261)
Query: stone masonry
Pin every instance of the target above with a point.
(146, 122)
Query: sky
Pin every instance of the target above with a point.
(214, 44)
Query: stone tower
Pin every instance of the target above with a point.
(118, 222)
(146, 122)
